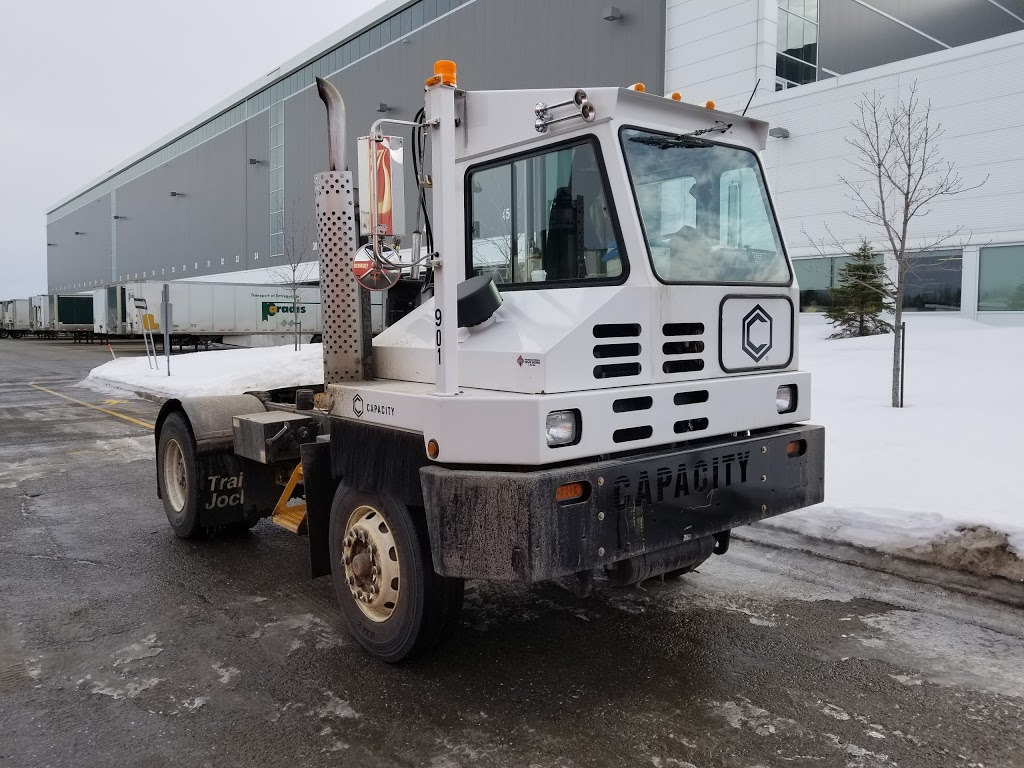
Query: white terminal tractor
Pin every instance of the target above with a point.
(588, 359)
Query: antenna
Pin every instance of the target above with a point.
(744, 112)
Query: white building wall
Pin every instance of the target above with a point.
(717, 51)
(975, 92)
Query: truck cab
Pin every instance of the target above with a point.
(602, 372)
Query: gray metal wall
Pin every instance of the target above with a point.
(79, 259)
(225, 210)
(853, 37)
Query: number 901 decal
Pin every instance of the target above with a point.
(437, 334)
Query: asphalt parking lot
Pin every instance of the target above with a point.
(121, 645)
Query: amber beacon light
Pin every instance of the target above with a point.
(444, 73)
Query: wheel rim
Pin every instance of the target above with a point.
(175, 476)
(370, 558)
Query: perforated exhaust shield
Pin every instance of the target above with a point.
(343, 320)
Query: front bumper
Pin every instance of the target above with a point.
(508, 526)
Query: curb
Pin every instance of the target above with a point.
(994, 588)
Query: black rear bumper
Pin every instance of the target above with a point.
(508, 525)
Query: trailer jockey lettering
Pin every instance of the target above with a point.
(226, 491)
(670, 483)
(272, 308)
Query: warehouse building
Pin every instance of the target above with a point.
(230, 191)
(225, 194)
(812, 61)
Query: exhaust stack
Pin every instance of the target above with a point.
(331, 97)
(346, 328)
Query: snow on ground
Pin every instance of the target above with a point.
(219, 372)
(906, 479)
(896, 480)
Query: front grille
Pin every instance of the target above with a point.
(684, 354)
(618, 351)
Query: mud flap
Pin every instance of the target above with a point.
(232, 489)
(320, 486)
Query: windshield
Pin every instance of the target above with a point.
(704, 209)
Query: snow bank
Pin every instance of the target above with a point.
(906, 479)
(219, 372)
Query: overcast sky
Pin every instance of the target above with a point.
(85, 85)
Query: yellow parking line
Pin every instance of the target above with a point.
(145, 424)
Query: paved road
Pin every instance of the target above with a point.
(123, 646)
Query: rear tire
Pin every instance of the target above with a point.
(3, 333)
(394, 603)
(177, 474)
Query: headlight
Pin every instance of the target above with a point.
(562, 428)
(785, 398)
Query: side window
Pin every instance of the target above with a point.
(544, 218)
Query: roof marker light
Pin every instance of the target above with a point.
(676, 96)
(638, 87)
(709, 104)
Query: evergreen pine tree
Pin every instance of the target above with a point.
(861, 297)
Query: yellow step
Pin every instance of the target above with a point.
(292, 517)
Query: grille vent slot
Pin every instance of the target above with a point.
(682, 347)
(616, 330)
(682, 366)
(616, 350)
(615, 370)
(689, 398)
(690, 425)
(627, 404)
(630, 434)
(683, 329)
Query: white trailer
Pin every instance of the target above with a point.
(239, 314)
(16, 318)
(599, 371)
(39, 314)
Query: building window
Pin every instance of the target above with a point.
(1001, 279)
(277, 179)
(817, 277)
(796, 58)
(933, 282)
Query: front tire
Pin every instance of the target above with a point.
(394, 603)
(178, 476)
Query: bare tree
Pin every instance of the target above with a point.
(897, 151)
(294, 267)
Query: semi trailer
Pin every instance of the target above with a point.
(54, 315)
(202, 313)
(47, 316)
(14, 318)
(598, 370)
